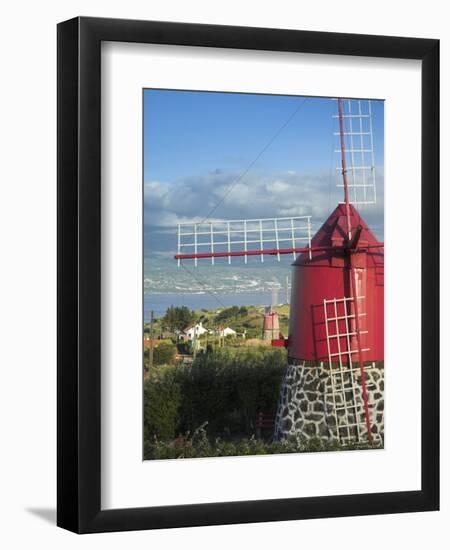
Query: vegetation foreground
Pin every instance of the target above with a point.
(210, 407)
(198, 445)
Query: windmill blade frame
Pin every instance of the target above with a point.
(357, 133)
(344, 388)
(243, 238)
(352, 271)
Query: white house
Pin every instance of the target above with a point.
(227, 331)
(194, 332)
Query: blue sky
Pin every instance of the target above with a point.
(197, 145)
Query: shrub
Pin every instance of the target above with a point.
(164, 354)
(199, 445)
(162, 400)
(225, 389)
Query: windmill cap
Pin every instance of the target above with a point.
(333, 233)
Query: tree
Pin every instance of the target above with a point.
(233, 314)
(228, 314)
(178, 318)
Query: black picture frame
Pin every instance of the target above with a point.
(79, 281)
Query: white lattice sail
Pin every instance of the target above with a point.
(359, 151)
(216, 239)
(345, 386)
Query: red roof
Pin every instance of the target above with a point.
(332, 234)
(154, 342)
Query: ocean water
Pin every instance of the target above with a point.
(211, 287)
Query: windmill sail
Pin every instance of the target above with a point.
(216, 239)
(343, 352)
(359, 151)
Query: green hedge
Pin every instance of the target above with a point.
(224, 389)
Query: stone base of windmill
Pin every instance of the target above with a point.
(306, 406)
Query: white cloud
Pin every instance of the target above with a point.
(222, 195)
(278, 186)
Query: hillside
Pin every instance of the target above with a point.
(240, 319)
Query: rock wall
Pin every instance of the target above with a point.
(306, 406)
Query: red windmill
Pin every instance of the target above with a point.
(337, 295)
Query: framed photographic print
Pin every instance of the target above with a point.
(232, 345)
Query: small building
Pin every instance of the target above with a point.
(271, 326)
(227, 331)
(193, 332)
